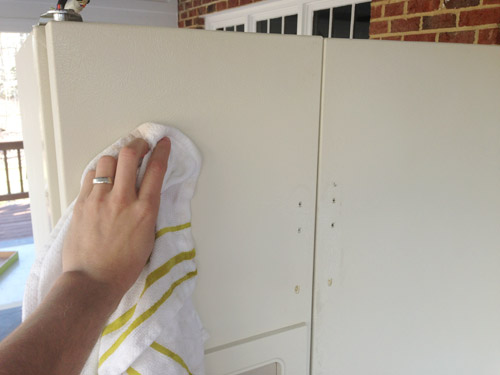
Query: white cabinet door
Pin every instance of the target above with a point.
(251, 104)
(407, 274)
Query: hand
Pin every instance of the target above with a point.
(112, 232)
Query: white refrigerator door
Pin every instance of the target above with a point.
(251, 104)
(407, 274)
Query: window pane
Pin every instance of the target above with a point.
(275, 26)
(362, 21)
(220, 29)
(230, 28)
(321, 20)
(341, 25)
(240, 28)
(262, 26)
(291, 24)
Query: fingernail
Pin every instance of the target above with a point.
(165, 140)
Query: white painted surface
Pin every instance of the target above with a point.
(21, 15)
(45, 126)
(272, 369)
(282, 353)
(31, 118)
(411, 137)
(257, 132)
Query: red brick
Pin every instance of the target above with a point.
(439, 22)
(455, 4)
(232, 3)
(391, 38)
(222, 5)
(183, 15)
(420, 6)
(457, 37)
(480, 17)
(196, 3)
(211, 8)
(376, 11)
(489, 36)
(206, 1)
(193, 12)
(180, 7)
(405, 24)
(421, 37)
(200, 21)
(188, 23)
(394, 9)
(245, 2)
(489, 2)
(379, 27)
(180, 24)
(202, 10)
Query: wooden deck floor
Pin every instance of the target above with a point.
(15, 221)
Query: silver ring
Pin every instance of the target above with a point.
(102, 180)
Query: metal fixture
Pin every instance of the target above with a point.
(65, 11)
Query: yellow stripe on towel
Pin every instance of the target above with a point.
(131, 371)
(166, 267)
(153, 277)
(177, 228)
(170, 354)
(119, 322)
(144, 316)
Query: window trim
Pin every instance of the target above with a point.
(250, 14)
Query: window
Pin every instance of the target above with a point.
(327, 18)
(348, 21)
(240, 28)
(278, 25)
(16, 236)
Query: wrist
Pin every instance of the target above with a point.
(107, 296)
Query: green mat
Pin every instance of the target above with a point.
(7, 259)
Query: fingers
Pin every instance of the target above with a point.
(106, 167)
(128, 161)
(87, 185)
(155, 172)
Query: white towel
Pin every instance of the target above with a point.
(155, 329)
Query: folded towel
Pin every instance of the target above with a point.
(155, 329)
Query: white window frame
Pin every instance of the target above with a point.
(250, 14)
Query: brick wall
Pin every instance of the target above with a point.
(191, 10)
(455, 21)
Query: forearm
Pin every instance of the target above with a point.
(59, 336)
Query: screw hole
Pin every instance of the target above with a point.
(300, 204)
(332, 225)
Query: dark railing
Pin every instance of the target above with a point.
(7, 148)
